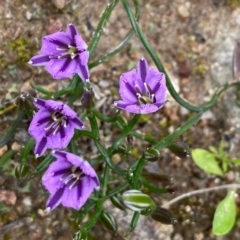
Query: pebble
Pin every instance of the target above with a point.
(8, 197)
(60, 4)
(183, 11)
(16, 146)
(3, 150)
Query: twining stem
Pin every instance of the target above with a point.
(155, 58)
(117, 49)
(200, 191)
(179, 131)
(101, 24)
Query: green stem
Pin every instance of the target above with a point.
(155, 57)
(12, 131)
(107, 157)
(109, 119)
(94, 125)
(137, 172)
(179, 131)
(116, 190)
(105, 179)
(88, 225)
(102, 22)
(109, 55)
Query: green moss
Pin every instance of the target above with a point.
(144, 118)
(135, 153)
(200, 69)
(21, 47)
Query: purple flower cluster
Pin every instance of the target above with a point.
(70, 180)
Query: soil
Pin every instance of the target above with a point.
(195, 41)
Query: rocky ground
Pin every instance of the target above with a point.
(195, 40)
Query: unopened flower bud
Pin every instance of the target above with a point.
(151, 155)
(117, 203)
(21, 171)
(24, 101)
(81, 235)
(137, 201)
(109, 222)
(165, 180)
(180, 149)
(172, 189)
(130, 140)
(88, 99)
(162, 215)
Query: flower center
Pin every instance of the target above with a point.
(57, 121)
(67, 51)
(72, 177)
(145, 98)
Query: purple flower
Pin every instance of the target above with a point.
(53, 125)
(63, 54)
(143, 90)
(70, 180)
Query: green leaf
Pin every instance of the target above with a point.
(225, 215)
(206, 161)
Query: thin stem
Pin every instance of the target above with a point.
(155, 58)
(137, 173)
(102, 22)
(121, 45)
(200, 191)
(179, 131)
(12, 131)
(105, 179)
(117, 190)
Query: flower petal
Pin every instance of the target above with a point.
(142, 68)
(36, 128)
(55, 199)
(142, 109)
(77, 197)
(39, 60)
(78, 124)
(68, 112)
(157, 82)
(61, 139)
(62, 68)
(80, 43)
(39, 103)
(50, 180)
(127, 86)
(52, 42)
(72, 31)
(41, 147)
(82, 67)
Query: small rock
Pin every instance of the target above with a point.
(16, 147)
(183, 11)
(3, 150)
(28, 15)
(59, 3)
(104, 83)
(8, 197)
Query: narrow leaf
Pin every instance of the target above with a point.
(206, 161)
(225, 215)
